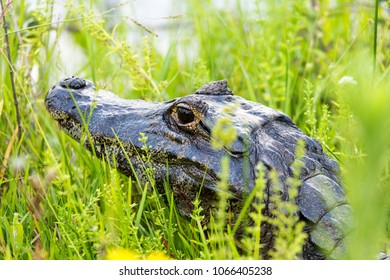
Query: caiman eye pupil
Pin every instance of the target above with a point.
(185, 115)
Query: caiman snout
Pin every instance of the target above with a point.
(61, 99)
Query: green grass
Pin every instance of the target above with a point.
(59, 202)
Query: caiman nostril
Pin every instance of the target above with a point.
(73, 83)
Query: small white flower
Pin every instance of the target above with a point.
(347, 80)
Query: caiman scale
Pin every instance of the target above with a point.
(179, 134)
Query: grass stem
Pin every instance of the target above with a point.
(375, 35)
(11, 69)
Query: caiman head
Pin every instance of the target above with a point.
(179, 150)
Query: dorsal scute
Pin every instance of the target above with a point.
(215, 88)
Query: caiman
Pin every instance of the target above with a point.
(179, 139)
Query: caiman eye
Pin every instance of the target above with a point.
(185, 115)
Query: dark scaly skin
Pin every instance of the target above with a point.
(179, 133)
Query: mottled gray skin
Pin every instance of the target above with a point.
(178, 132)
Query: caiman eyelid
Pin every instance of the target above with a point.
(183, 105)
